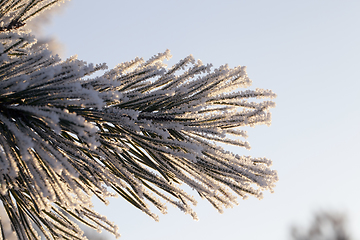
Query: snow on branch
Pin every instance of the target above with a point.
(15, 14)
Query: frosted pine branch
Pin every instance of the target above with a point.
(15, 14)
(140, 129)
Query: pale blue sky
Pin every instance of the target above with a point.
(308, 52)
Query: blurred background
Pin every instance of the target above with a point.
(307, 52)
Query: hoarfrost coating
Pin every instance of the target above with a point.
(141, 129)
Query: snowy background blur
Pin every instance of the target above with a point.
(308, 52)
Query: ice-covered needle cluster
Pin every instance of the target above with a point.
(141, 129)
